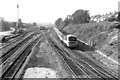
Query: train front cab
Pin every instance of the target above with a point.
(72, 41)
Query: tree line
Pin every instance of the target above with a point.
(78, 17)
(5, 25)
(81, 16)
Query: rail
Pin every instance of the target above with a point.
(15, 63)
(81, 65)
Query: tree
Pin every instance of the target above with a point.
(20, 24)
(112, 18)
(80, 16)
(5, 25)
(34, 24)
(68, 20)
(57, 22)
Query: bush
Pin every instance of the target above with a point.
(6, 26)
(59, 23)
(80, 16)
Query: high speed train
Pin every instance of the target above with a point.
(69, 40)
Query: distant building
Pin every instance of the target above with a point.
(105, 17)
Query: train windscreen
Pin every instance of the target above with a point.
(72, 39)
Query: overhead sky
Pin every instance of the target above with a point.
(47, 11)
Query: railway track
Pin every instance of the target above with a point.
(5, 57)
(14, 47)
(15, 38)
(70, 64)
(93, 66)
(82, 65)
(10, 68)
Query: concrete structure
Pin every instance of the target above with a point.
(42, 72)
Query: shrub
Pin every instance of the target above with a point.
(6, 26)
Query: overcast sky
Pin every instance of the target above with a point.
(47, 11)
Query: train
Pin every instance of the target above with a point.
(68, 40)
(72, 42)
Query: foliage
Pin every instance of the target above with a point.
(57, 22)
(80, 16)
(112, 18)
(34, 24)
(6, 25)
(20, 24)
(43, 28)
(67, 21)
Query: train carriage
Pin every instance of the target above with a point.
(70, 41)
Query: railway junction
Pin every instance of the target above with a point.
(41, 54)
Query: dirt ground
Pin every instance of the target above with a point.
(46, 58)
